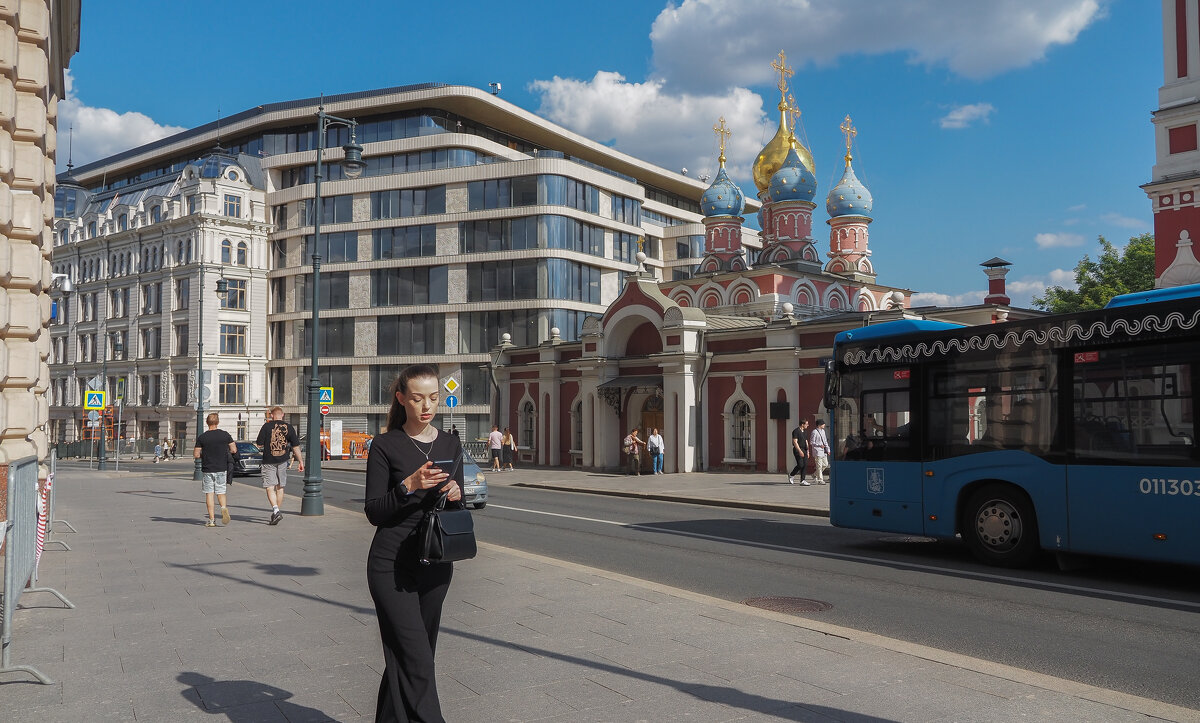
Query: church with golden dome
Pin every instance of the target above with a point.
(725, 362)
(788, 266)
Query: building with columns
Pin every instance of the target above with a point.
(727, 362)
(1174, 189)
(37, 40)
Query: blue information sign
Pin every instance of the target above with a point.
(451, 401)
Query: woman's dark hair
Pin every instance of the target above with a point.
(397, 416)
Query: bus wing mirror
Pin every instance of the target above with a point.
(832, 385)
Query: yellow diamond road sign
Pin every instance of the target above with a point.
(451, 385)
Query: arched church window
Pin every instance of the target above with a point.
(577, 426)
(528, 420)
(741, 432)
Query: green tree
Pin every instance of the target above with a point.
(1117, 271)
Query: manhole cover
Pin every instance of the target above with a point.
(907, 538)
(780, 604)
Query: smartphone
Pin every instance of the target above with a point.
(445, 465)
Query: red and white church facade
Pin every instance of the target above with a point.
(1174, 190)
(727, 362)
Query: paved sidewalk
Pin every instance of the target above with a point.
(176, 622)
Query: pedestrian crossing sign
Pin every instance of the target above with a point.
(94, 400)
(326, 395)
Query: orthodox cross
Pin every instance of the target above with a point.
(784, 72)
(793, 111)
(850, 131)
(722, 132)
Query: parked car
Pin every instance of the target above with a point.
(474, 483)
(249, 461)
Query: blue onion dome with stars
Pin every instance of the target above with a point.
(849, 197)
(793, 181)
(723, 197)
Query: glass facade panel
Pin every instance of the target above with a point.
(412, 334)
(404, 242)
(335, 290)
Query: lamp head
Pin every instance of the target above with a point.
(222, 286)
(353, 163)
(65, 284)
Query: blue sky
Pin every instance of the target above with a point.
(1019, 129)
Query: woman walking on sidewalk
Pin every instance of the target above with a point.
(402, 484)
(508, 449)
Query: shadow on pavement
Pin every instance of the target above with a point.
(244, 701)
(206, 569)
(781, 709)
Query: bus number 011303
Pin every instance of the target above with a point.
(1160, 486)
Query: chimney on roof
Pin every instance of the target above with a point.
(996, 269)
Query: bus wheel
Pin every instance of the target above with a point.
(1000, 526)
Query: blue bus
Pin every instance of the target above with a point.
(1071, 433)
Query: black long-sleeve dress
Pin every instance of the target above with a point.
(408, 595)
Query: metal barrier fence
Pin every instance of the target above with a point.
(126, 449)
(477, 448)
(20, 556)
(50, 507)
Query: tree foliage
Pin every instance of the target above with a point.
(1115, 272)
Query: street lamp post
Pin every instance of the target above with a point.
(115, 348)
(222, 289)
(313, 502)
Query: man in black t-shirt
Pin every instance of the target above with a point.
(799, 452)
(278, 441)
(213, 449)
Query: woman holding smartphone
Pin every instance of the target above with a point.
(404, 480)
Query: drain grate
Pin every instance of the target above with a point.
(794, 605)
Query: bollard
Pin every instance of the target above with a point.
(20, 557)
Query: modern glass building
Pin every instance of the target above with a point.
(473, 218)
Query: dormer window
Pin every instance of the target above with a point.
(91, 229)
(233, 175)
(155, 214)
(123, 222)
(191, 201)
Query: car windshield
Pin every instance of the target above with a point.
(247, 448)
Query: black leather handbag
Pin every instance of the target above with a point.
(446, 535)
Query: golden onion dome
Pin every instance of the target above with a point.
(771, 157)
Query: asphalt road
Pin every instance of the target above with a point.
(1125, 626)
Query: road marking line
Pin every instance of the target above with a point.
(875, 560)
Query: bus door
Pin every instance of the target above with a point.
(876, 476)
(1134, 472)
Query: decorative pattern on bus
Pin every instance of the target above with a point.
(1131, 327)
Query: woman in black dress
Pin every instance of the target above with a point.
(401, 482)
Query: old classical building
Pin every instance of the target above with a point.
(473, 218)
(146, 260)
(726, 362)
(37, 40)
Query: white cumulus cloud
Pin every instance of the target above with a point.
(934, 298)
(962, 116)
(1063, 277)
(1116, 219)
(87, 133)
(673, 130)
(1057, 240)
(723, 43)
